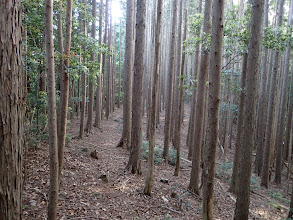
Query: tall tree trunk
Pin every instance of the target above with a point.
(283, 105)
(127, 81)
(52, 115)
(262, 104)
(234, 178)
(178, 119)
(91, 78)
(200, 103)
(269, 143)
(153, 116)
(119, 82)
(83, 79)
(63, 108)
(213, 109)
(171, 71)
(243, 198)
(109, 67)
(12, 96)
(99, 77)
(136, 130)
(191, 125)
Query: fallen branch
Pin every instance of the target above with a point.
(269, 199)
(172, 210)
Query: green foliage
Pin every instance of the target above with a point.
(276, 38)
(225, 170)
(277, 195)
(158, 153)
(254, 182)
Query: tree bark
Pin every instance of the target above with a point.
(91, 78)
(234, 178)
(269, 143)
(249, 114)
(127, 82)
(52, 115)
(136, 131)
(153, 116)
(213, 109)
(63, 108)
(99, 77)
(12, 104)
(171, 71)
(200, 103)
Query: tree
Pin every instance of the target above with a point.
(83, 83)
(213, 109)
(283, 104)
(91, 78)
(171, 70)
(63, 108)
(136, 132)
(99, 78)
(179, 88)
(234, 178)
(153, 116)
(200, 103)
(269, 143)
(243, 196)
(52, 117)
(12, 80)
(127, 82)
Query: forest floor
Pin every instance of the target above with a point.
(85, 194)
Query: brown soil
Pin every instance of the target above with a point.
(84, 195)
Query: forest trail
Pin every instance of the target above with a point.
(86, 194)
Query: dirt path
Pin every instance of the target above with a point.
(84, 195)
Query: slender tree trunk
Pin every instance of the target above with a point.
(52, 115)
(283, 105)
(99, 78)
(170, 81)
(262, 105)
(63, 108)
(243, 198)
(234, 178)
(200, 103)
(119, 82)
(127, 81)
(83, 83)
(150, 174)
(91, 78)
(269, 143)
(136, 132)
(178, 119)
(213, 109)
(12, 96)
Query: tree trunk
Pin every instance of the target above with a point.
(127, 81)
(249, 114)
(119, 82)
(63, 108)
(283, 106)
(91, 78)
(153, 116)
(269, 143)
(136, 132)
(234, 178)
(52, 115)
(200, 104)
(12, 96)
(213, 109)
(178, 119)
(83, 83)
(262, 105)
(99, 104)
(171, 71)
